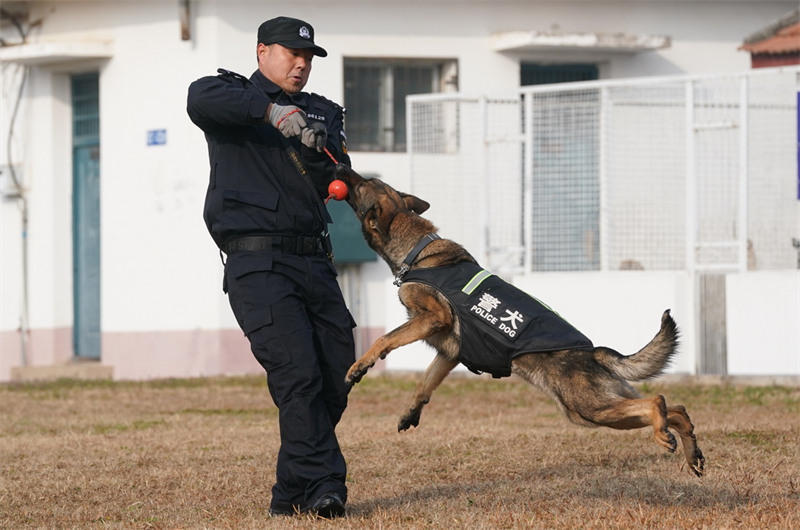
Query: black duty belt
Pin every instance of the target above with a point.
(289, 244)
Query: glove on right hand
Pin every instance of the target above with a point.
(315, 136)
(288, 119)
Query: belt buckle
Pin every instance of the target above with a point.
(305, 245)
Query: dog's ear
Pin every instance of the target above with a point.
(415, 204)
(378, 220)
(384, 221)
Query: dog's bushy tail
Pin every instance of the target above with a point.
(648, 362)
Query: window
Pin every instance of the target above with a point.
(541, 74)
(374, 94)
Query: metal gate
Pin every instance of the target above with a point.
(678, 173)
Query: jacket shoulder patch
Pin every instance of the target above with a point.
(326, 102)
(233, 75)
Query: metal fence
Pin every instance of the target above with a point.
(683, 173)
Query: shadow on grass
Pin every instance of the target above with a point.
(566, 484)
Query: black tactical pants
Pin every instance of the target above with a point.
(292, 311)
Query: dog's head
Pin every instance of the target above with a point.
(376, 204)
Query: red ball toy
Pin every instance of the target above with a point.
(338, 190)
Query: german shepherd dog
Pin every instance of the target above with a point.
(589, 384)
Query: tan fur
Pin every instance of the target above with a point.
(590, 386)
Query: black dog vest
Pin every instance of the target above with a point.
(498, 321)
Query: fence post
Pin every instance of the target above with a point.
(691, 181)
(410, 140)
(744, 147)
(693, 280)
(527, 203)
(604, 129)
(483, 215)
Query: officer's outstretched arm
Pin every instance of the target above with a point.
(218, 101)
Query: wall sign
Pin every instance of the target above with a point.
(157, 137)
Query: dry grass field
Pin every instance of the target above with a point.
(488, 454)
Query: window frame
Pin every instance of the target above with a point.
(388, 124)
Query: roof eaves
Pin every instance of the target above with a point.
(518, 41)
(772, 29)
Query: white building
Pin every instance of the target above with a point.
(104, 254)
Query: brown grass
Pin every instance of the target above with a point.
(488, 454)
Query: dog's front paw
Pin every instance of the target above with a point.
(410, 419)
(352, 380)
(355, 373)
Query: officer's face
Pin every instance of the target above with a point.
(288, 68)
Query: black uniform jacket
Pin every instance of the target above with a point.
(498, 321)
(254, 186)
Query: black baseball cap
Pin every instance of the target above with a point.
(289, 32)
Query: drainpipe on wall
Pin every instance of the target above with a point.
(19, 193)
(185, 13)
(24, 26)
(24, 324)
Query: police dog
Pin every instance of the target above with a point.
(590, 384)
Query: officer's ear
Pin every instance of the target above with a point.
(415, 204)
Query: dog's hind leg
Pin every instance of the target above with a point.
(434, 375)
(679, 420)
(637, 413)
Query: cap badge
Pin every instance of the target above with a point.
(304, 32)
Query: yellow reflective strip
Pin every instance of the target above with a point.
(476, 281)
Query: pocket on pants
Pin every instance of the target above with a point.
(251, 299)
(256, 318)
(246, 281)
(267, 346)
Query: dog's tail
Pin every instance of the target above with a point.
(648, 362)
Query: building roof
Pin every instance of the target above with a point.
(520, 41)
(779, 37)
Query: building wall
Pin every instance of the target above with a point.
(763, 318)
(163, 311)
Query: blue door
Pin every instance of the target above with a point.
(86, 215)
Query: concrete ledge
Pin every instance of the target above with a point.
(731, 380)
(791, 381)
(79, 370)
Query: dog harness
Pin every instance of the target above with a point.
(498, 321)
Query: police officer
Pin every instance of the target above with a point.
(265, 211)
